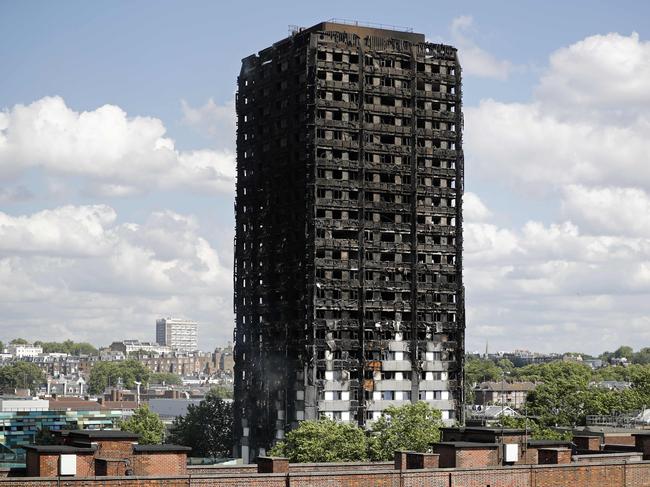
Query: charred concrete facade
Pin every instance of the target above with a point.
(348, 255)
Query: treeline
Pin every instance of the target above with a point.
(411, 427)
(480, 370)
(641, 357)
(68, 346)
(20, 375)
(206, 427)
(568, 391)
(124, 372)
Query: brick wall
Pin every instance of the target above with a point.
(521, 439)
(564, 455)
(218, 470)
(477, 457)
(233, 480)
(637, 475)
(114, 449)
(528, 456)
(48, 465)
(272, 465)
(623, 457)
(329, 467)
(619, 439)
(85, 465)
(501, 477)
(587, 443)
(581, 476)
(553, 456)
(573, 475)
(114, 458)
(427, 478)
(159, 463)
(346, 479)
(420, 461)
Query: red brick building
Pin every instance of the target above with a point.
(104, 453)
(114, 459)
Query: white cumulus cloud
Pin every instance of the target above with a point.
(606, 73)
(474, 209)
(608, 210)
(555, 288)
(76, 272)
(587, 124)
(117, 154)
(475, 60)
(213, 120)
(580, 280)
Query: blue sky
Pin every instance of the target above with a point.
(103, 229)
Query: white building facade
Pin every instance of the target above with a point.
(133, 346)
(26, 350)
(177, 334)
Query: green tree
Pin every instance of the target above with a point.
(21, 375)
(624, 352)
(642, 356)
(19, 341)
(105, 374)
(323, 440)
(223, 392)
(410, 427)
(555, 371)
(559, 400)
(147, 424)
(567, 393)
(535, 430)
(505, 365)
(167, 378)
(614, 373)
(83, 348)
(639, 376)
(206, 428)
(69, 347)
(479, 370)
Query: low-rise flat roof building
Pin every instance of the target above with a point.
(131, 346)
(24, 350)
(15, 404)
(511, 394)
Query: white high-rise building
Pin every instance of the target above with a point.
(177, 334)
